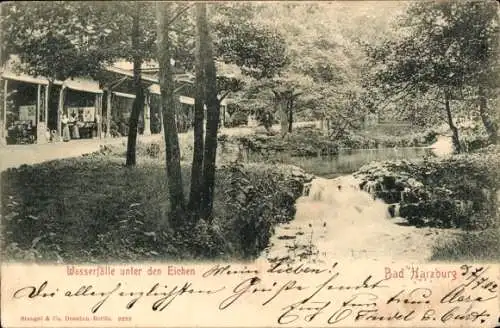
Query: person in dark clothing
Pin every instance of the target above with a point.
(156, 124)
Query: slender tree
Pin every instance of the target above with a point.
(199, 116)
(213, 111)
(448, 48)
(138, 104)
(172, 151)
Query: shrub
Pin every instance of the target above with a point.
(94, 209)
(460, 191)
(258, 198)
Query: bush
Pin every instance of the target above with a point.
(94, 209)
(304, 142)
(360, 140)
(457, 192)
(237, 119)
(257, 199)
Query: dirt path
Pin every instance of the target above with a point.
(344, 222)
(15, 155)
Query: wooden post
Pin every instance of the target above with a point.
(147, 116)
(4, 116)
(101, 99)
(60, 109)
(98, 113)
(43, 124)
(46, 107)
(38, 103)
(108, 113)
(162, 127)
(39, 120)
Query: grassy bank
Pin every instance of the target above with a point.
(467, 246)
(92, 209)
(309, 141)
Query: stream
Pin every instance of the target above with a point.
(348, 161)
(335, 219)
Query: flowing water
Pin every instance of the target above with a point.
(335, 219)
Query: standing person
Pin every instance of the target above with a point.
(65, 126)
(97, 121)
(156, 126)
(74, 127)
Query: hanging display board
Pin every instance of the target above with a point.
(27, 113)
(84, 114)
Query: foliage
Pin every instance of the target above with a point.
(58, 40)
(443, 44)
(238, 118)
(123, 214)
(434, 193)
(306, 143)
(360, 140)
(263, 196)
(259, 51)
(444, 52)
(309, 141)
(323, 76)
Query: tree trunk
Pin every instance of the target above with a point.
(139, 93)
(3, 119)
(453, 128)
(213, 112)
(490, 125)
(281, 108)
(108, 113)
(290, 115)
(195, 196)
(172, 151)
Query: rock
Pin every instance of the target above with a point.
(409, 210)
(393, 210)
(389, 182)
(389, 196)
(409, 196)
(413, 183)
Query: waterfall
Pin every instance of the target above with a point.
(334, 217)
(339, 199)
(442, 147)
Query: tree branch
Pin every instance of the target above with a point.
(180, 88)
(181, 32)
(178, 14)
(405, 88)
(224, 95)
(117, 82)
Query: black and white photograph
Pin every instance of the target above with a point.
(235, 131)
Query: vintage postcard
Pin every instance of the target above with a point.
(250, 164)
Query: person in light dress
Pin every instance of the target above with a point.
(65, 128)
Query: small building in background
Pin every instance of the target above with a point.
(24, 114)
(31, 112)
